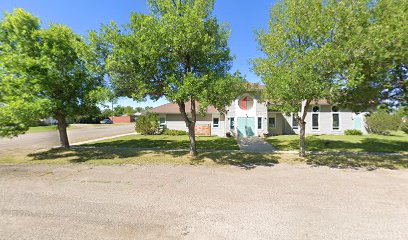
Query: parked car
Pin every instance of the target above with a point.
(106, 121)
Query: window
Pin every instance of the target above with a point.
(335, 118)
(336, 121)
(259, 123)
(232, 123)
(315, 118)
(272, 122)
(162, 121)
(216, 122)
(295, 124)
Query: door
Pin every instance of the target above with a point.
(358, 122)
(246, 127)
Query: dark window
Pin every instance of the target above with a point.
(315, 121)
(272, 122)
(335, 109)
(259, 123)
(336, 121)
(216, 122)
(295, 124)
(316, 109)
(162, 121)
(232, 123)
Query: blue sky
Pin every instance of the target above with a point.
(83, 15)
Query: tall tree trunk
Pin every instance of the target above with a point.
(302, 147)
(302, 124)
(190, 125)
(62, 129)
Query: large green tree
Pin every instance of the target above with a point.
(375, 69)
(179, 51)
(49, 71)
(300, 56)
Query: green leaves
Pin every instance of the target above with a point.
(45, 72)
(179, 52)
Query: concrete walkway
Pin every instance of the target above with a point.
(254, 144)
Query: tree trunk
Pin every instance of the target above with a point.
(302, 124)
(62, 129)
(191, 133)
(302, 148)
(190, 125)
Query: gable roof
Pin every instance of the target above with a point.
(174, 108)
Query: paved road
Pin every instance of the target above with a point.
(80, 132)
(186, 202)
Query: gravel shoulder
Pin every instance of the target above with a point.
(82, 201)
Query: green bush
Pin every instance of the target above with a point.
(404, 127)
(382, 122)
(353, 132)
(148, 124)
(172, 132)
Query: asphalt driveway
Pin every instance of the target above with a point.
(187, 202)
(80, 132)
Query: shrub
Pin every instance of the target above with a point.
(148, 124)
(404, 127)
(382, 122)
(353, 132)
(172, 132)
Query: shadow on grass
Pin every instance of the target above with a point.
(358, 161)
(83, 155)
(245, 161)
(366, 144)
(169, 142)
(116, 156)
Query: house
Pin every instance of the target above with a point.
(248, 116)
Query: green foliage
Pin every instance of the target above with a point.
(172, 132)
(374, 69)
(300, 54)
(179, 52)
(44, 72)
(148, 124)
(404, 127)
(382, 122)
(353, 132)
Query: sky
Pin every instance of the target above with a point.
(243, 17)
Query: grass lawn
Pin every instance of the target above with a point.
(395, 143)
(168, 142)
(111, 156)
(42, 129)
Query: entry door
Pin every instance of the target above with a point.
(358, 122)
(246, 127)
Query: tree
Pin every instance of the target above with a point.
(375, 70)
(178, 51)
(119, 110)
(53, 67)
(19, 54)
(301, 58)
(129, 111)
(148, 124)
(382, 122)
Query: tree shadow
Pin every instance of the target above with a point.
(80, 155)
(367, 144)
(116, 156)
(168, 142)
(358, 161)
(243, 160)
